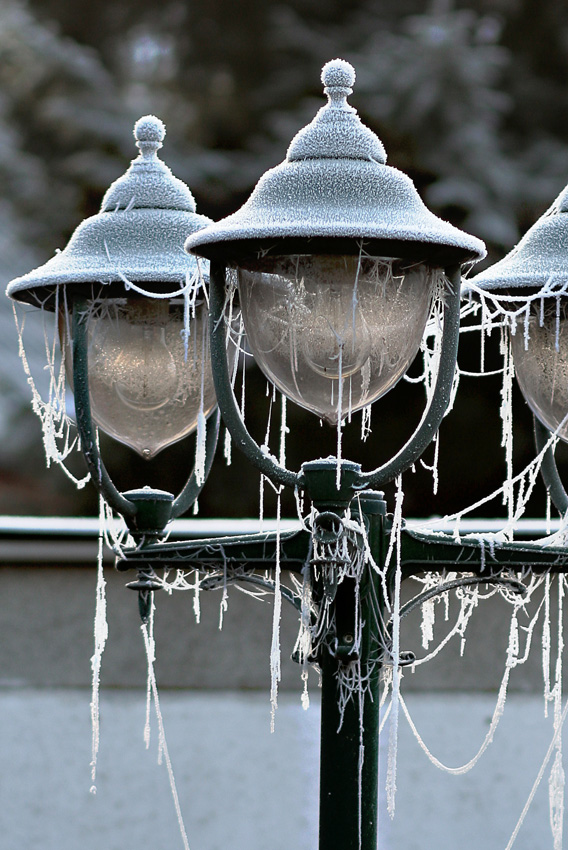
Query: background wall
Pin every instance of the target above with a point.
(238, 784)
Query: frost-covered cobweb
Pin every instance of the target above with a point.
(448, 600)
(533, 622)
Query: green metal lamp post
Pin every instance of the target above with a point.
(333, 224)
(334, 209)
(334, 259)
(132, 317)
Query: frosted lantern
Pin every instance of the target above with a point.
(541, 364)
(148, 379)
(334, 333)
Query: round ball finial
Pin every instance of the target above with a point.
(149, 133)
(338, 74)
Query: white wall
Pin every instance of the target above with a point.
(241, 787)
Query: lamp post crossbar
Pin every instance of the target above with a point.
(350, 732)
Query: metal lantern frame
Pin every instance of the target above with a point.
(537, 264)
(333, 194)
(132, 244)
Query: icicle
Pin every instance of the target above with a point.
(100, 634)
(546, 646)
(556, 780)
(395, 540)
(200, 458)
(548, 512)
(197, 602)
(275, 660)
(556, 785)
(428, 621)
(227, 445)
(186, 319)
(224, 604)
(303, 645)
(261, 501)
(243, 373)
(283, 431)
(506, 412)
(150, 647)
(339, 417)
(365, 422)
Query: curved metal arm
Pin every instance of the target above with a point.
(192, 489)
(99, 475)
(514, 584)
(218, 582)
(548, 469)
(224, 390)
(432, 419)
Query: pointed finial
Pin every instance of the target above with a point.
(149, 133)
(338, 77)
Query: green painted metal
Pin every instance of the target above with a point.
(192, 489)
(224, 390)
(432, 418)
(327, 489)
(248, 551)
(427, 552)
(349, 756)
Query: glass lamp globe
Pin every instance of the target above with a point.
(540, 353)
(334, 332)
(149, 376)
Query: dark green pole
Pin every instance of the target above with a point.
(349, 761)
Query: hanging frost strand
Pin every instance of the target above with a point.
(395, 544)
(152, 688)
(275, 659)
(100, 635)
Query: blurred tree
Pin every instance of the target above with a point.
(468, 97)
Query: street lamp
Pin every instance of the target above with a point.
(132, 319)
(530, 287)
(336, 258)
(335, 261)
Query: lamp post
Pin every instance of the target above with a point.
(132, 320)
(335, 261)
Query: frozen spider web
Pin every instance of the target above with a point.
(351, 551)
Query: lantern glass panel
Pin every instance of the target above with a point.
(540, 353)
(334, 333)
(148, 379)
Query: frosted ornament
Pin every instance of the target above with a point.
(334, 333)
